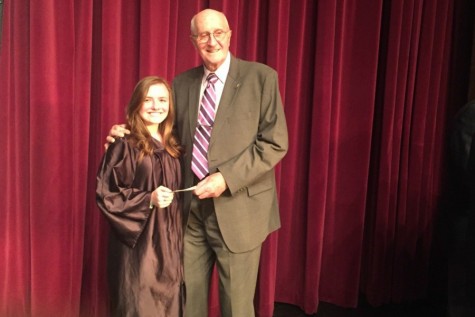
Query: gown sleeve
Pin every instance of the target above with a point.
(126, 208)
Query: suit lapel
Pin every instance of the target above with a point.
(193, 97)
(230, 91)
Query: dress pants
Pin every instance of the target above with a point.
(204, 246)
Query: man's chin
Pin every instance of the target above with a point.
(213, 64)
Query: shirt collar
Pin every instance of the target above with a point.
(222, 71)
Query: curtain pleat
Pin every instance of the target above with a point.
(366, 93)
(409, 151)
(14, 236)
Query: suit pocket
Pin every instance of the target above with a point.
(266, 184)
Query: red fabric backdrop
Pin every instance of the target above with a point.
(367, 98)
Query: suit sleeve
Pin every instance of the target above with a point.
(126, 208)
(270, 143)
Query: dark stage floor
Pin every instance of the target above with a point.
(329, 310)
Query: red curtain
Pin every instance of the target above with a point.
(367, 98)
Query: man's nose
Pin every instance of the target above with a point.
(211, 40)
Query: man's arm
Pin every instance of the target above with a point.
(269, 145)
(270, 142)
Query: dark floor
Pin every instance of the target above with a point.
(329, 310)
(452, 298)
(421, 309)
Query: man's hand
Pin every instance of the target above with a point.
(212, 186)
(117, 131)
(162, 197)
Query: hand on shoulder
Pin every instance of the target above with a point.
(117, 131)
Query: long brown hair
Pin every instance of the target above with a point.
(137, 127)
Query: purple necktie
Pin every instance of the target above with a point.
(199, 163)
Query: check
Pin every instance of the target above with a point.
(185, 190)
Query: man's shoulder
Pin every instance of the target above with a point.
(252, 71)
(253, 65)
(189, 74)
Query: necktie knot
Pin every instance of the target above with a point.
(212, 78)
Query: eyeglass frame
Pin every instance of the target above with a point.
(207, 36)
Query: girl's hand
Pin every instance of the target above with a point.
(162, 197)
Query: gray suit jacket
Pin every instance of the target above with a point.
(249, 138)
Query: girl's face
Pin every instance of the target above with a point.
(156, 105)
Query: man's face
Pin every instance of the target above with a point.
(211, 37)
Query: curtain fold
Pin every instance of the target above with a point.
(409, 151)
(14, 241)
(367, 95)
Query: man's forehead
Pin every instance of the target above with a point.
(210, 22)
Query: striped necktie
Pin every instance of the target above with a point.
(207, 112)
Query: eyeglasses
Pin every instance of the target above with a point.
(204, 37)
